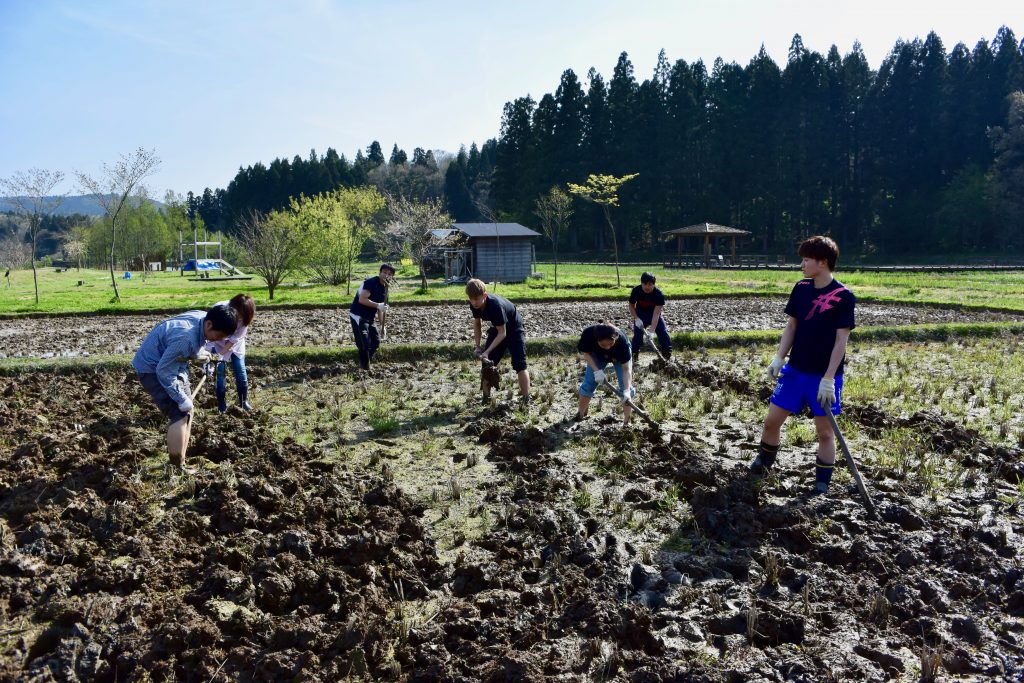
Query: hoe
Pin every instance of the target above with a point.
(650, 340)
(852, 465)
(639, 411)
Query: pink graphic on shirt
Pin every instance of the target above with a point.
(825, 302)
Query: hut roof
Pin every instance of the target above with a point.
(494, 230)
(707, 229)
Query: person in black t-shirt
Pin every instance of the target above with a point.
(505, 334)
(646, 303)
(601, 344)
(369, 302)
(821, 316)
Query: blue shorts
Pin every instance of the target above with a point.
(797, 390)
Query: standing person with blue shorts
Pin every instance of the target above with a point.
(646, 303)
(821, 316)
(600, 345)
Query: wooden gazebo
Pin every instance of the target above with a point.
(707, 231)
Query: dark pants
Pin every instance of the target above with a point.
(514, 344)
(367, 339)
(241, 377)
(663, 339)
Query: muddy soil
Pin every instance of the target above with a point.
(80, 336)
(307, 544)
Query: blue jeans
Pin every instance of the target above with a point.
(664, 341)
(241, 378)
(589, 384)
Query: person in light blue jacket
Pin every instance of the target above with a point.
(162, 365)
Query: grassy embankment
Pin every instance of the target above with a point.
(61, 293)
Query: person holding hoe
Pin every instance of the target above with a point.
(646, 303)
(821, 316)
(505, 334)
(232, 350)
(162, 365)
(369, 302)
(601, 344)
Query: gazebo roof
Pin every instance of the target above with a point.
(710, 229)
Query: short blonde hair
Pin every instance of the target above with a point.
(475, 288)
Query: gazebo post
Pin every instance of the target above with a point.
(707, 248)
(734, 250)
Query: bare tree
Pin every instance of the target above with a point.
(273, 245)
(14, 253)
(411, 226)
(32, 192)
(113, 188)
(554, 210)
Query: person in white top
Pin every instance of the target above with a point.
(232, 350)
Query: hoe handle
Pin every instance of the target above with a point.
(852, 465)
(650, 340)
(639, 411)
(202, 381)
(384, 317)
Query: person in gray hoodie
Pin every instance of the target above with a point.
(162, 365)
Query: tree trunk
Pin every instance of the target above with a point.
(113, 281)
(270, 289)
(615, 244)
(35, 280)
(351, 255)
(423, 275)
(556, 268)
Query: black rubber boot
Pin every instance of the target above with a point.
(222, 400)
(243, 398)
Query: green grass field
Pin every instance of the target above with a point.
(61, 293)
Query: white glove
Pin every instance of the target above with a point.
(639, 324)
(203, 356)
(827, 392)
(208, 369)
(775, 367)
(626, 394)
(382, 306)
(186, 405)
(599, 376)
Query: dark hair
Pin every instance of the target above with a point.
(223, 317)
(820, 249)
(648, 277)
(603, 330)
(245, 307)
(386, 266)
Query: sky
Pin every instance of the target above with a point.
(220, 84)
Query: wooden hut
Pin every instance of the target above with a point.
(498, 252)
